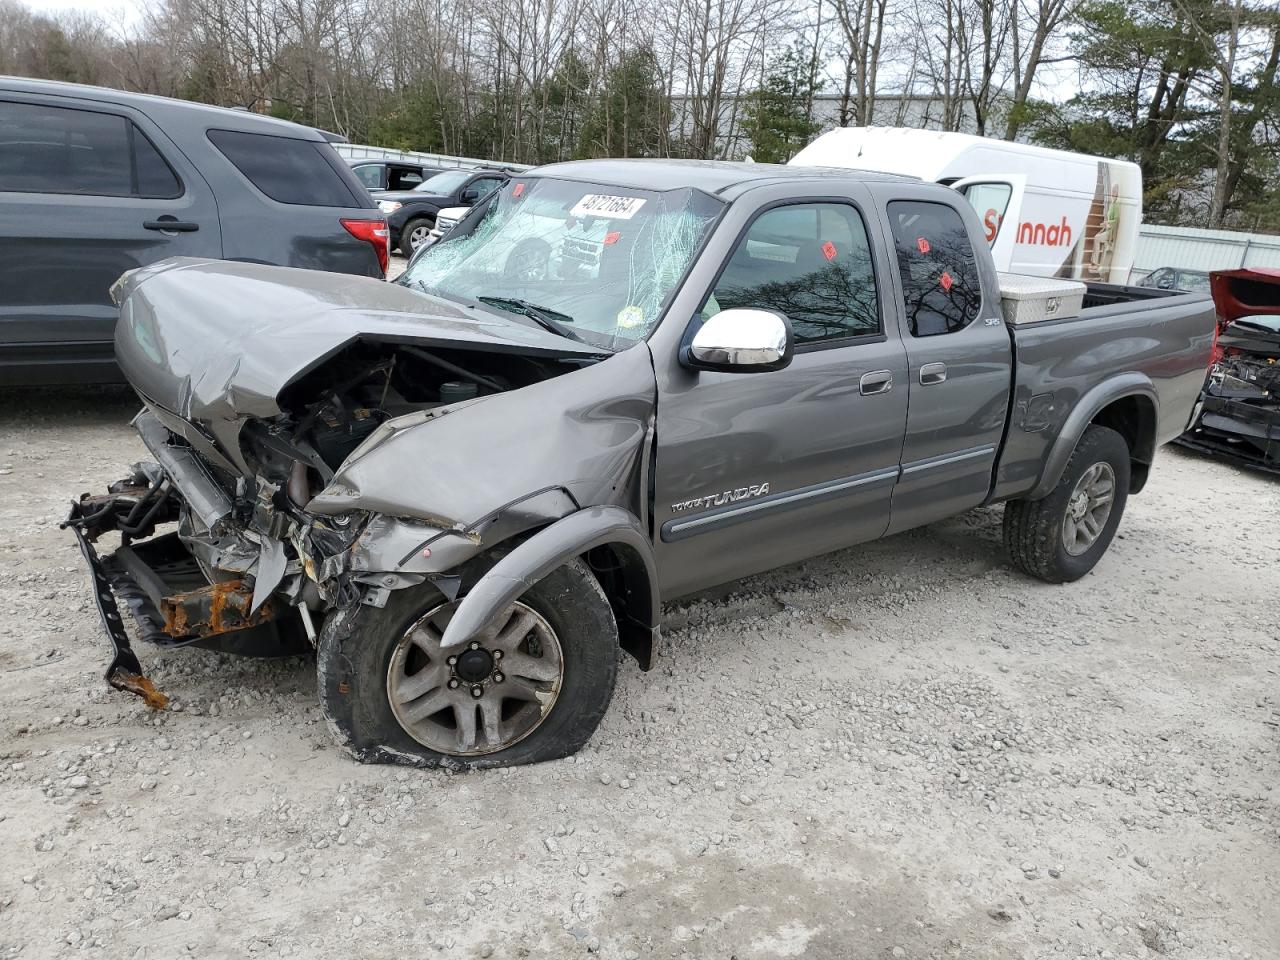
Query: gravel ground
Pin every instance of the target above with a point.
(903, 750)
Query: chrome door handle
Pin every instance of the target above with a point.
(877, 381)
(933, 373)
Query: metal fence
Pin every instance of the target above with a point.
(356, 151)
(1190, 248)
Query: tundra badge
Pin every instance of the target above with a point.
(720, 499)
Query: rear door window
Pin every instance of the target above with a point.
(46, 149)
(370, 174)
(403, 178)
(810, 262)
(941, 289)
(155, 177)
(286, 169)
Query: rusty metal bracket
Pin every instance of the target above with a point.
(124, 672)
(218, 608)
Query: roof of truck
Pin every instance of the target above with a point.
(712, 176)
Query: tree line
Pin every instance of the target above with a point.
(1185, 88)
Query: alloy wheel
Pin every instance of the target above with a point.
(482, 697)
(1088, 508)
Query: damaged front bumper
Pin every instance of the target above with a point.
(124, 672)
(222, 579)
(1243, 430)
(244, 572)
(164, 590)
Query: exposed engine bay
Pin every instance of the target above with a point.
(331, 410)
(1246, 376)
(1238, 416)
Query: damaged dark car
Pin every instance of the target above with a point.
(1238, 416)
(615, 383)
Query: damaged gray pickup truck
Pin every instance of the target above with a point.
(613, 383)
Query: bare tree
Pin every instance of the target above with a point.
(1035, 24)
(862, 27)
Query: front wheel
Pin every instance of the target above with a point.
(532, 687)
(413, 235)
(1061, 537)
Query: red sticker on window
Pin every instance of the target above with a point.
(612, 237)
(946, 281)
(829, 250)
(517, 190)
(922, 245)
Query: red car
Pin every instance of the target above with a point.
(1238, 415)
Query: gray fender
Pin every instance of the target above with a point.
(555, 545)
(1108, 392)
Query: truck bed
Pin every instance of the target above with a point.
(1157, 341)
(1110, 294)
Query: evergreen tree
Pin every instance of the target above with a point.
(778, 114)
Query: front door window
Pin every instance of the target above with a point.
(810, 262)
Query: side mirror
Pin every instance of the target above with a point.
(470, 195)
(740, 340)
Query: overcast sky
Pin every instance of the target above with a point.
(129, 8)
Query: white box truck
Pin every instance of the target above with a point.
(1046, 212)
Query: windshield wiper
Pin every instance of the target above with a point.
(543, 316)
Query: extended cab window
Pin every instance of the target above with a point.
(285, 168)
(989, 200)
(60, 150)
(811, 262)
(940, 285)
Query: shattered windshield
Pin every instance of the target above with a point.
(598, 261)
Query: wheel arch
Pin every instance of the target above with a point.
(616, 549)
(1128, 404)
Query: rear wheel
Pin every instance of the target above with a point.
(1063, 536)
(533, 686)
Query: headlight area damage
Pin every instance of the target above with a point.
(340, 459)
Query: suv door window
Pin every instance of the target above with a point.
(810, 262)
(156, 178)
(941, 289)
(990, 200)
(287, 169)
(403, 178)
(369, 174)
(47, 149)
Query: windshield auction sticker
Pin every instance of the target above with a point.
(603, 205)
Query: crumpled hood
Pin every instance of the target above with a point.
(213, 340)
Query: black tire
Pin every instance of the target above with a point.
(406, 246)
(1033, 529)
(356, 648)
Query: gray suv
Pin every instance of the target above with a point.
(95, 182)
